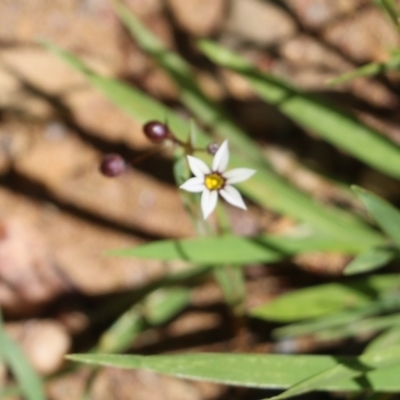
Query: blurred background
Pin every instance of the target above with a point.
(58, 214)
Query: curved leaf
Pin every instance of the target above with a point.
(385, 215)
(251, 370)
(324, 299)
(231, 249)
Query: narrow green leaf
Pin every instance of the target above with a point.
(370, 260)
(232, 282)
(122, 333)
(345, 370)
(256, 370)
(391, 9)
(314, 113)
(390, 337)
(165, 303)
(368, 326)
(331, 321)
(347, 318)
(31, 384)
(228, 249)
(385, 215)
(371, 69)
(157, 308)
(328, 298)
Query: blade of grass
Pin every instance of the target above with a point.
(229, 249)
(391, 9)
(388, 338)
(313, 112)
(253, 370)
(371, 69)
(327, 298)
(370, 260)
(29, 381)
(385, 215)
(366, 327)
(157, 308)
(345, 370)
(339, 319)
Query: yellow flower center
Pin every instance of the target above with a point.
(214, 181)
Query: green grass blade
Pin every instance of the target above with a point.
(122, 333)
(371, 69)
(384, 214)
(30, 383)
(368, 327)
(325, 299)
(345, 370)
(391, 337)
(228, 249)
(165, 303)
(265, 188)
(370, 260)
(332, 321)
(157, 308)
(314, 113)
(391, 9)
(255, 370)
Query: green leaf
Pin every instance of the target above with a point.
(229, 249)
(157, 308)
(324, 299)
(152, 305)
(256, 370)
(345, 370)
(341, 322)
(384, 214)
(370, 260)
(386, 339)
(165, 303)
(371, 69)
(368, 326)
(122, 333)
(328, 322)
(314, 113)
(391, 9)
(31, 384)
(232, 282)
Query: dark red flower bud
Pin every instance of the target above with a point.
(156, 131)
(212, 148)
(112, 165)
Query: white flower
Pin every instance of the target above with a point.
(215, 180)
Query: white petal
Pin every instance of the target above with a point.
(221, 158)
(232, 196)
(208, 202)
(193, 185)
(198, 167)
(238, 175)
